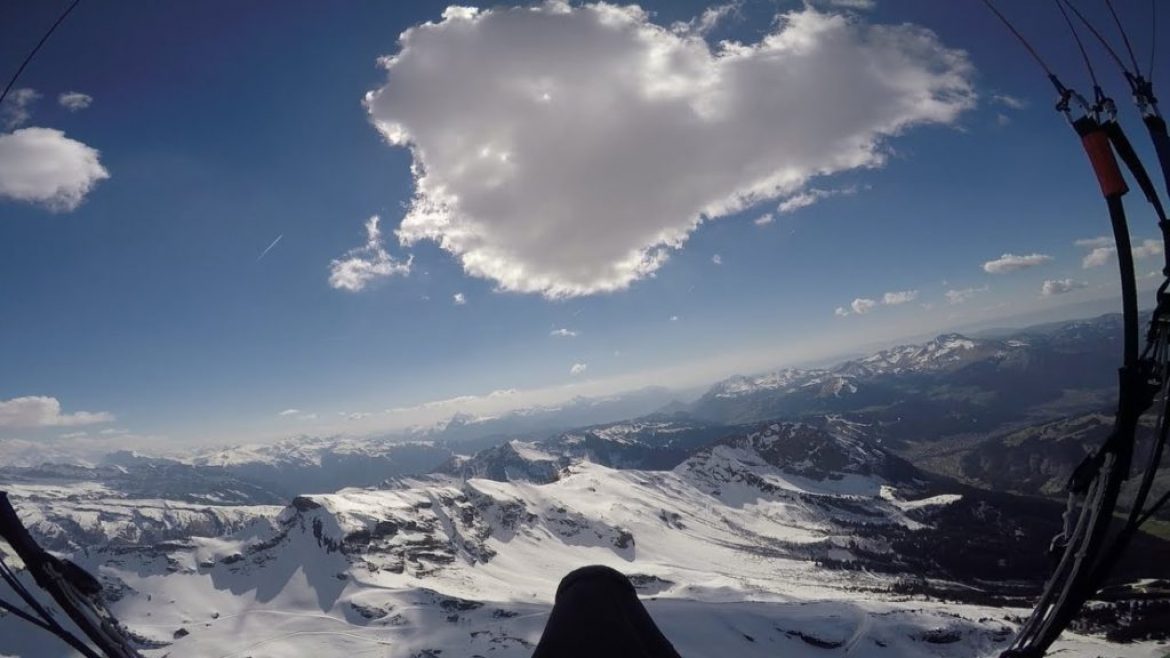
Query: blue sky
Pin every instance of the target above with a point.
(222, 127)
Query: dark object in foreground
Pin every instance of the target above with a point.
(75, 591)
(597, 613)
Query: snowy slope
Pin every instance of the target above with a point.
(788, 540)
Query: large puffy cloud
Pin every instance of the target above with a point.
(43, 166)
(566, 150)
(42, 411)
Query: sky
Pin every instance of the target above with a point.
(224, 222)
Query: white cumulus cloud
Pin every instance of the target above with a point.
(578, 368)
(1011, 263)
(566, 150)
(1098, 257)
(363, 265)
(861, 305)
(765, 219)
(1147, 249)
(75, 100)
(1054, 287)
(717, 259)
(42, 411)
(44, 167)
(1101, 255)
(459, 299)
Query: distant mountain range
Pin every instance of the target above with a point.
(538, 421)
(950, 385)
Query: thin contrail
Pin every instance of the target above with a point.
(265, 252)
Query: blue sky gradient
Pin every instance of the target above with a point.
(224, 126)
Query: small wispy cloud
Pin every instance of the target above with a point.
(717, 259)
(459, 299)
(858, 5)
(16, 110)
(1013, 263)
(806, 198)
(1095, 243)
(365, 264)
(674, 318)
(764, 220)
(899, 297)
(563, 333)
(964, 295)
(297, 414)
(1008, 101)
(578, 368)
(863, 305)
(75, 101)
(708, 20)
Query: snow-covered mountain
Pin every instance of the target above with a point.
(311, 465)
(653, 442)
(949, 385)
(789, 539)
(538, 421)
